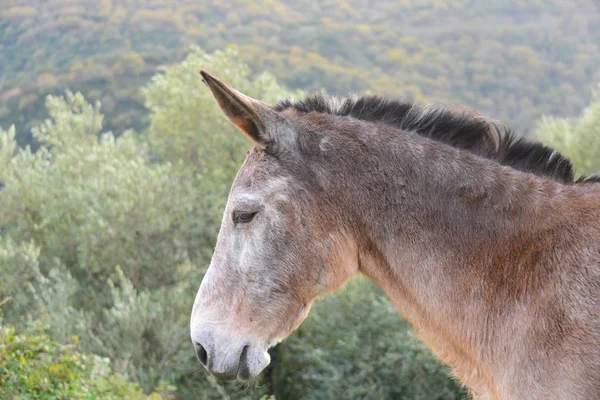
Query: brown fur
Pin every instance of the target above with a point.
(498, 270)
(484, 287)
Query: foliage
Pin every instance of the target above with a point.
(187, 128)
(92, 225)
(578, 139)
(354, 346)
(106, 238)
(180, 107)
(33, 366)
(110, 245)
(512, 60)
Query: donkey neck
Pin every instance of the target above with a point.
(456, 241)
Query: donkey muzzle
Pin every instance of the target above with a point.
(229, 359)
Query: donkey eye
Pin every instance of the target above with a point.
(242, 217)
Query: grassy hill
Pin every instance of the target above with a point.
(512, 60)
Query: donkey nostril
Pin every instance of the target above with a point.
(201, 353)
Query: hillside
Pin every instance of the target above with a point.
(105, 238)
(511, 60)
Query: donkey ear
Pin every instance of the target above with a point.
(253, 117)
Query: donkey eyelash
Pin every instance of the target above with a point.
(243, 217)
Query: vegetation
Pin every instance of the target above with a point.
(33, 366)
(578, 139)
(106, 231)
(355, 346)
(107, 238)
(512, 60)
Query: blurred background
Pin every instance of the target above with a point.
(115, 165)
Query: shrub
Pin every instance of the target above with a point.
(106, 237)
(110, 244)
(576, 138)
(33, 366)
(354, 345)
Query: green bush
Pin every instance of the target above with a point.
(188, 130)
(354, 345)
(33, 366)
(576, 138)
(106, 237)
(110, 244)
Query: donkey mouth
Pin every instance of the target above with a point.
(224, 377)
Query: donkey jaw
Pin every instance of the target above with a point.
(229, 354)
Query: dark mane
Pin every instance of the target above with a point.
(461, 128)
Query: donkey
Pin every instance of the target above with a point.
(483, 241)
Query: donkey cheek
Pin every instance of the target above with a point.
(322, 283)
(302, 314)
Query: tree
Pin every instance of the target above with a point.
(106, 243)
(33, 366)
(188, 130)
(186, 124)
(578, 139)
(107, 238)
(99, 232)
(354, 345)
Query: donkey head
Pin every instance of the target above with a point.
(280, 245)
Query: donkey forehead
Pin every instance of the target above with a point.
(276, 187)
(260, 178)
